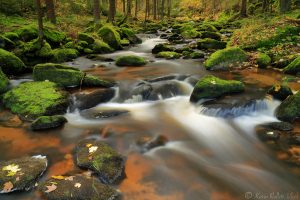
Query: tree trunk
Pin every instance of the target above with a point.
(146, 10)
(97, 11)
(284, 5)
(162, 9)
(244, 8)
(51, 11)
(40, 21)
(112, 11)
(136, 8)
(169, 8)
(154, 9)
(129, 8)
(124, 6)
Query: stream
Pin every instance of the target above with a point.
(211, 153)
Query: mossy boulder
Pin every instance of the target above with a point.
(212, 87)
(27, 33)
(61, 74)
(64, 55)
(222, 59)
(209, 34)
(53, 37)
(130, 35)
(207, 27)
(6, 43)
(263, 60)
(109, 35)
(77, 187)
(280, 92)
(125, 42)
(99, 157)
(21, 174)
(192, 33)
(12, 36)
(86, 37)
(289, 109)
(11, 64)
(101, 47)
(168, 55)
(3, 82)
(293, 68)
(131, 61)
(35, 99)
(209, 43)
(48, 122)
(193, 55)
(93, 81)
(161, 47)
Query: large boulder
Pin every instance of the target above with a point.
(21, 174)
(280, 92)
(64, 55)
(209, 43)
(109, 35)
(48, 122)
(293, 68)
(161, 47)
(99, 157)
(223, 59)
(101, 47)
(77, 187)
(209, 34)
(131, 61)
(3, 82)
(263, 60)
(35, 99)
(55, 38)
(86, 37)
(289, 109)
(168, 55)
(27, 33)
(130, 35)
(212, 87)
(11, 64)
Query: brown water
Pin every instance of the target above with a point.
(206, 157)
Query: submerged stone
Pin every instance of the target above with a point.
(103, 114)
(48, 122)
(99, 157)
(21, 174)
(147, 143)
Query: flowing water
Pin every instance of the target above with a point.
(212, 153)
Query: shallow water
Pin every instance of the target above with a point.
(208, 156)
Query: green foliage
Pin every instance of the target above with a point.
(11, 64)
(55, 38)
(168, 55)
(222, 59)
(109, 34)
(11, 35)
(64, 54)
(294, 67)
(263, 60)
(27, 33)
(3, 82)
(213, 87)
(15, 7)
(209, 43)
(131, 61)
(6, 43)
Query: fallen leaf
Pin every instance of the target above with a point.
(8, 186)
(77, 185)
(277, 88)
(58, 177)
(69, 178)
(51, 188)
(92, 149)
(88, 145)
(12, 169)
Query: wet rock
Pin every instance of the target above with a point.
(110, 36)
(96, 57)
(48, 122)
(280, 126)
(101, 47)
(167, 78)
(168, 55)
(266, 135)
(147, 143)
(88, 100)
(130, 35)
(209, 43)
(213, 87)
(263, 60)
(294, 140)
(165, 89)
(21, 174)
(99, 157)
(164, 36)
(143, 90)
(293, 67)
(161, 47)
(131, 61)
(77, 187)
(102, 114)
(8, 119)
(289, 109)
(11, 64)
(176, 38)
(280, 92)
(209, 34)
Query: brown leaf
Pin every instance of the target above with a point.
(8, 186)
(51, 188)
(77, 185)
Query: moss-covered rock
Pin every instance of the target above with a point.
(209, 43)
(289, 109)
(209, 34)
(130, 35)
(161, 47)
(109, 35)
(83, 44)
(99, 157)
(53, 37)
(212, 87)
(101, 47)
(11, 35)
(168, 55)
(3, 82)
(131, 61)
(27, 33)
(280, 92)
(21, 174)
(35, 99)
(63, 55)
(263, 60)
(11, 64)
(77, 187)
(293, 68)
(6, 43)
(193, 55)
(61, 74)
(48, 122)
(93, 81)
(207, 27)
(222, 59)
(192, 33)
(86, 37)
(125, 42)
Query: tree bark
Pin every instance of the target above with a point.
(129, 8)
(51, 11)
(40, 21)
(284, 5)
(124, 6)
(162, 9)
(244, 8)
(97, 11)
(169, 8)
(136, 8)
(112, 11)
(154, 9)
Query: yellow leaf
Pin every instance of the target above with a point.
(88, 145)
(8, 186)
(58, 177)
(277, 88)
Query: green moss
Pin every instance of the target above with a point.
(88, 51)
(192, 33)
(6, 43)
(207, 27)
(83, 44)
(263, 60)
(93, 81)
(53, 37)
(161, 47)
(86, 37)
(10, 63)
(209, 43)
(109, 35)
(280, 92)
(213, 87)
(125, 42)
(11, 35)
(222, 59)
(131, 61)
(129, 34)
(168, 55)
(63, 75)
(34, 99)
(47, 122)
(196, 55)
(45, 51)
(209, 34)
(293, 68)
(3, 82)
(101, 47)
(70, 45)
(289, 109)
(27, 33)
(63, 55)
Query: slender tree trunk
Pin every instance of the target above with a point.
(169, 8)
(97, 11)
(285, 5)
(124, 6)
(112, 11)
(136, 8)
(129, 8)
(51, 11)
(40, 21)
(154, 9)
(244, 8)
(162, 9)
(146, 10)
